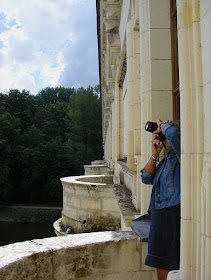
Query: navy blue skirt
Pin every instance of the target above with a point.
(164, 237)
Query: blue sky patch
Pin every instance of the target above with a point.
(4, 26)
(38, 82)
(56, 49)
(57, 44)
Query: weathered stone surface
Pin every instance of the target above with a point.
(102, 255)
(96, 169)
(144, 78)
(91, 205)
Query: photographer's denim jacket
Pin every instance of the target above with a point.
(166, 177)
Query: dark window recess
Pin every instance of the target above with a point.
(124, 70)
(174, 57)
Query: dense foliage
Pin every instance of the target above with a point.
(46, 137)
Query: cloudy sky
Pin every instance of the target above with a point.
(47, 43)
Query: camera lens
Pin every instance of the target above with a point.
(151, 126)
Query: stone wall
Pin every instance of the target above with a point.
(91, 256)
(96, 170)
(97, 167)
(89, 203)
(136, 87)
(194, 18)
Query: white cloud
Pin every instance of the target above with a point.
(54, 39)
(16, 77)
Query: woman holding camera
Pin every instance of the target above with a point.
(164, 236)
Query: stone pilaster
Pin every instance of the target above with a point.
(192, 142)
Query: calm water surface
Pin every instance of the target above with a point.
(11, 232)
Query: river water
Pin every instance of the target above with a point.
(11, 232)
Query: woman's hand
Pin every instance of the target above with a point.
(156, 147)
(158, 121)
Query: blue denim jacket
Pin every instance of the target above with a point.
(166, 177)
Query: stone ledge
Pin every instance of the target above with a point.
(57, 227)
(90, 256)
(98, 162)
(124, 199)
(127, 209)
(89, 180)
(123, 164)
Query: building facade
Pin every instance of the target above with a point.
(155, 62)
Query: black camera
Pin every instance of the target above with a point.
(151, 127)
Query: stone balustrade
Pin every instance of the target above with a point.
(91, 256)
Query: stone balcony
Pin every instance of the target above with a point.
(97, 167)
(89, 204)
(88, 256)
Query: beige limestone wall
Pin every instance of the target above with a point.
(155, 78)
(144, 25)
(89, 203)
(92, 256)
(121, 124)
(205, 14)
(96, 169)
(125, 124)
(148, 94)
(125, 10)
(133, 104)
(192, 127)
(130, 111)
(144, 36)
(194, 50)
(160, 60)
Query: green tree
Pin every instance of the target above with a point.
(9, 147)
(21, 105)
(84, 138)
(46, 137)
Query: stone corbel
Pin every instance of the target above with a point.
(136, 25)
(113, 11)
(114, 52)
(113, 70)
(114, 42)
(109, 98)
(111, 84)
(136, 14)
(111, 25)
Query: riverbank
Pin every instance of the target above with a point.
(30, 213)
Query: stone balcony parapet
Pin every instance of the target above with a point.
(89, 203)
(89, 256)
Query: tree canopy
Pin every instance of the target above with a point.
(46, 137)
